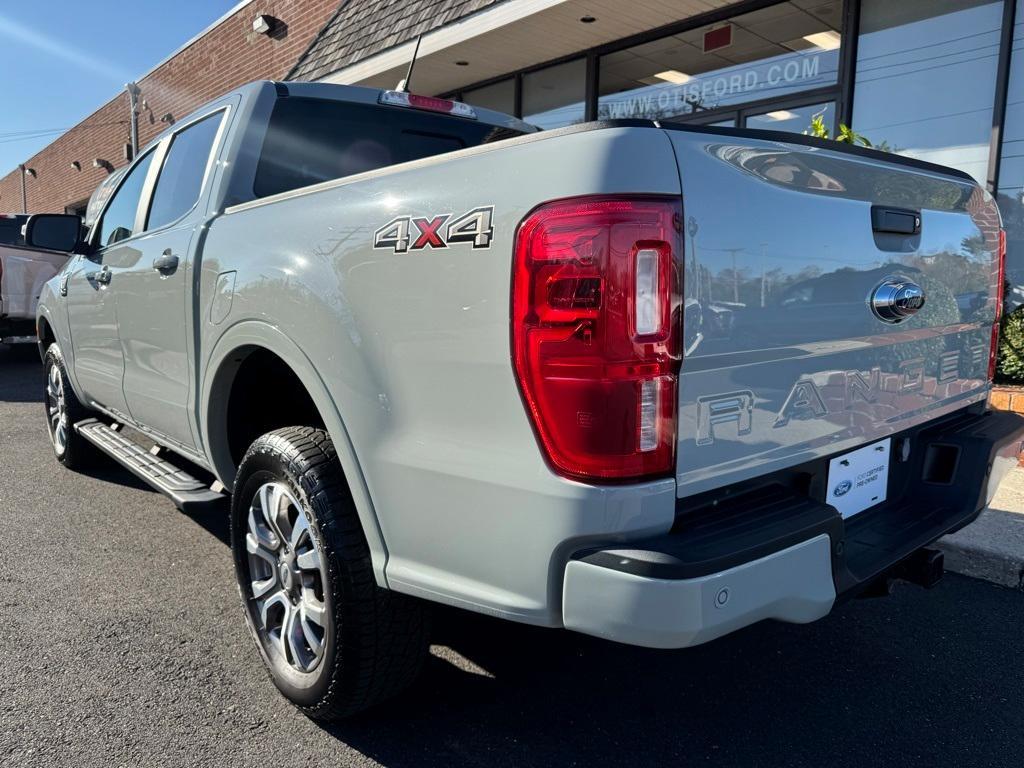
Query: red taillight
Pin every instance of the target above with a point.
(595, 333)
(993, 353)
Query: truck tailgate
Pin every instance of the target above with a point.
(791, 252)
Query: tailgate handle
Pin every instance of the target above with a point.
(901, 221)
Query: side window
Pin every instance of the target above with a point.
(181, 178)
(118, 222)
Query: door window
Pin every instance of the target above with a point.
(181, 178)
(118, 222)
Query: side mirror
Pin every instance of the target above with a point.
(53, 231)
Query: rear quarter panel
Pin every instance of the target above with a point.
(414, 349)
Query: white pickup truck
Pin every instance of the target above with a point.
(649, 382)
(23, 272)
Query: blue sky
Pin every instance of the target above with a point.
(62, 59)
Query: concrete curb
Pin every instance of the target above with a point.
(992, 548)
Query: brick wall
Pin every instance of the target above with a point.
(227, 56)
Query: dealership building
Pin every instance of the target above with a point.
(939, 80)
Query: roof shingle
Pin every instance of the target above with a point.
(362, 28)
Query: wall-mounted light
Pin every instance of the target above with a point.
(168, 118)
(104, 164)
(30, 172)
(76, 165)
(263, 24)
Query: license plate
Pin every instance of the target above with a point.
(859, 479)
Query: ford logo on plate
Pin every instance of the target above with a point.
(843, 488)
(896, 299)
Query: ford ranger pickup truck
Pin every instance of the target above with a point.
(649, 382)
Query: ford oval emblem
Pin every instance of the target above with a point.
(896, 299)
(843, 488)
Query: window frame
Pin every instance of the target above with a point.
(159, 152)
(168, 142)
(95, 247)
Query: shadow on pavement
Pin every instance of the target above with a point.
(920, 678)
(21, 374)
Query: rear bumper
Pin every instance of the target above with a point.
(775, 550)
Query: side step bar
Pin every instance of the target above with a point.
(184, 490)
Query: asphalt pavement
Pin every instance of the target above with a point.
(122, 643)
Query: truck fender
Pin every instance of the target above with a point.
(51, 314)
(216, 385)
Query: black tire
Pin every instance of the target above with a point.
(374, 640)
(74, 451)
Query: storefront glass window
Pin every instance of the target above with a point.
(554, 96)
(779, 50)
(794, 120)
(1011, 167)
(926, 72)
(500, 96)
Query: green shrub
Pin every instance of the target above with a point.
(1010, 363)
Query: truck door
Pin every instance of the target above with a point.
(153, 298)
(92, 293)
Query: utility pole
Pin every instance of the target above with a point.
(24, 193)
(735, 275)
(133, 105)
(763, 246)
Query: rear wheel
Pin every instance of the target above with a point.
(63, 411)
(333, 641)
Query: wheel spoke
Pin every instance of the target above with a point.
(271, 496)
(308, 561)
(300, 528)
(312, 609)
(254, 547)
(278, 598)
(263, 535)
(262, 587)
(294, 635)
(313, 640)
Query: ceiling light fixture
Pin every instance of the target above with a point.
(781, 114)
(674, 76)
(827, 41)
(587, 19)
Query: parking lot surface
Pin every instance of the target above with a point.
(122, 643)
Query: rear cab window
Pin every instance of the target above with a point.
(311, 140)
(10, 230)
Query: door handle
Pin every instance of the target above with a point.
(165, 263)
(103, 276)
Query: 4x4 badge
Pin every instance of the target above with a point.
(414, 233)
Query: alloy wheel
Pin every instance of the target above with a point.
(56, 409)
(287, 575)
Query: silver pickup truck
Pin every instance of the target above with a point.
(23, 271)
(649, 382)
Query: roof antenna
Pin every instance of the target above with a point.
(403, 84)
